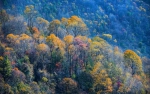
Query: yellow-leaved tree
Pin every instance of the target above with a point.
(77, 26)
(133, 61)
(56, 43)
(64, 22)
(30, 15)
(102, 82)
(42, 47)
(68, 41)
(99, 49)
(57, 51)
(53, 27)
(42, 25)
(21, 42)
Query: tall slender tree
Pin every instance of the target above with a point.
(5, 67)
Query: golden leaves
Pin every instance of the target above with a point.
(101, 78)
(109, 36)
(129, 54)
(57, 43)
(133, 60)
(1, 58)
(96, 68)
(57, 22)
(99, 58)
(42, 47)
(50, 38)
(64, 21)
(17, 38)
(77, 24)
(69, 81)
(68, 39)
(24, 37)
(28, 9)
(9, 49)
(109, 85)
(42, 21)
(53, 26)
(71, 48)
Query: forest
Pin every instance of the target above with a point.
(74, 47)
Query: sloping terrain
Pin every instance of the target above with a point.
(74, 47)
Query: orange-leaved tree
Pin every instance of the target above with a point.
(35, 32)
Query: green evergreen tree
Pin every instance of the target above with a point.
(5, 67)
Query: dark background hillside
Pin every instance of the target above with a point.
(147, 1)
(128, 21)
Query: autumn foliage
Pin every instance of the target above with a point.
(59, 57)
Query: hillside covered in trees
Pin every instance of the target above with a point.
(74, 47)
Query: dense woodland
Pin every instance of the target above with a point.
(45, 52)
